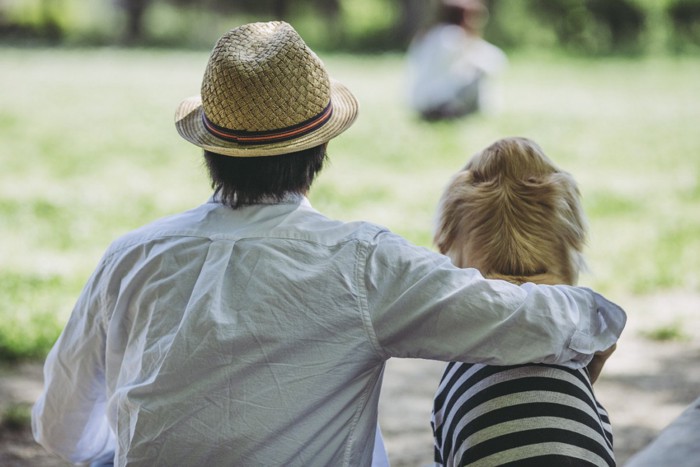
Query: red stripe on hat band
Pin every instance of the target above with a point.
(269, 136)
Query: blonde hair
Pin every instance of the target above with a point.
(513, 214)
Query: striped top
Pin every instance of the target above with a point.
(542, 415)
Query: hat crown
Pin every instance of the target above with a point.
(263, 77)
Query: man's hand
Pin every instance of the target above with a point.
(596, 366)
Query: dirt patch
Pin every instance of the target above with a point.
(645, 385)
(20, 385)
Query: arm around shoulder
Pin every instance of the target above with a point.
(421, 306)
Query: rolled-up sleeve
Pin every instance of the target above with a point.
(421, 306)
(69, 418)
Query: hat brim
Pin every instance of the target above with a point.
(189, 123)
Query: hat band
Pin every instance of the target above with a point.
(269, 136)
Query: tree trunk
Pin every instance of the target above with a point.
(413, 13)
(280, 8)
(135, 11)
(330, 11)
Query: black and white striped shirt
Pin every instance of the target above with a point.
(543, 415)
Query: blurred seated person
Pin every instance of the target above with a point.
(450, 65)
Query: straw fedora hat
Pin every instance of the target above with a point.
(264, 93)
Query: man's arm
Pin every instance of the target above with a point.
(421, 306)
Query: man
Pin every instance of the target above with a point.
(253, 330)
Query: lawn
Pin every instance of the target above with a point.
(89, 151)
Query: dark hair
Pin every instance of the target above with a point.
(471, 15)
(450, 14)
(241, 181)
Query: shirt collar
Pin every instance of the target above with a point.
(289, 198)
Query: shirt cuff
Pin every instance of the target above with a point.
(597, 331)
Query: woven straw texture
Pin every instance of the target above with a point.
(262, 77)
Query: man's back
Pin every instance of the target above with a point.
(223, 340)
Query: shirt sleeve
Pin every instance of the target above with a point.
(421, 306)
(69, 418)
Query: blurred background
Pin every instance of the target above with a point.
(630, 27)
(608, 88)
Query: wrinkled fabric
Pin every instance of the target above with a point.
(258, 336)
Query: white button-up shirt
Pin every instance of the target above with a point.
(258, 336)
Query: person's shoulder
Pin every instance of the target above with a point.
(488, 48)
(386, 242)
(437, 36)
(167, 226)
(449, 30)
(364, 231)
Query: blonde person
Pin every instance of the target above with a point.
(515, 216)
(252, 329)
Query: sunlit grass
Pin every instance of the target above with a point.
(16, 417)
(32, 308)
(89, 151)
(667, 332)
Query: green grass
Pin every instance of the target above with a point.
(667, 333)
(89, 151)
(16, 417)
